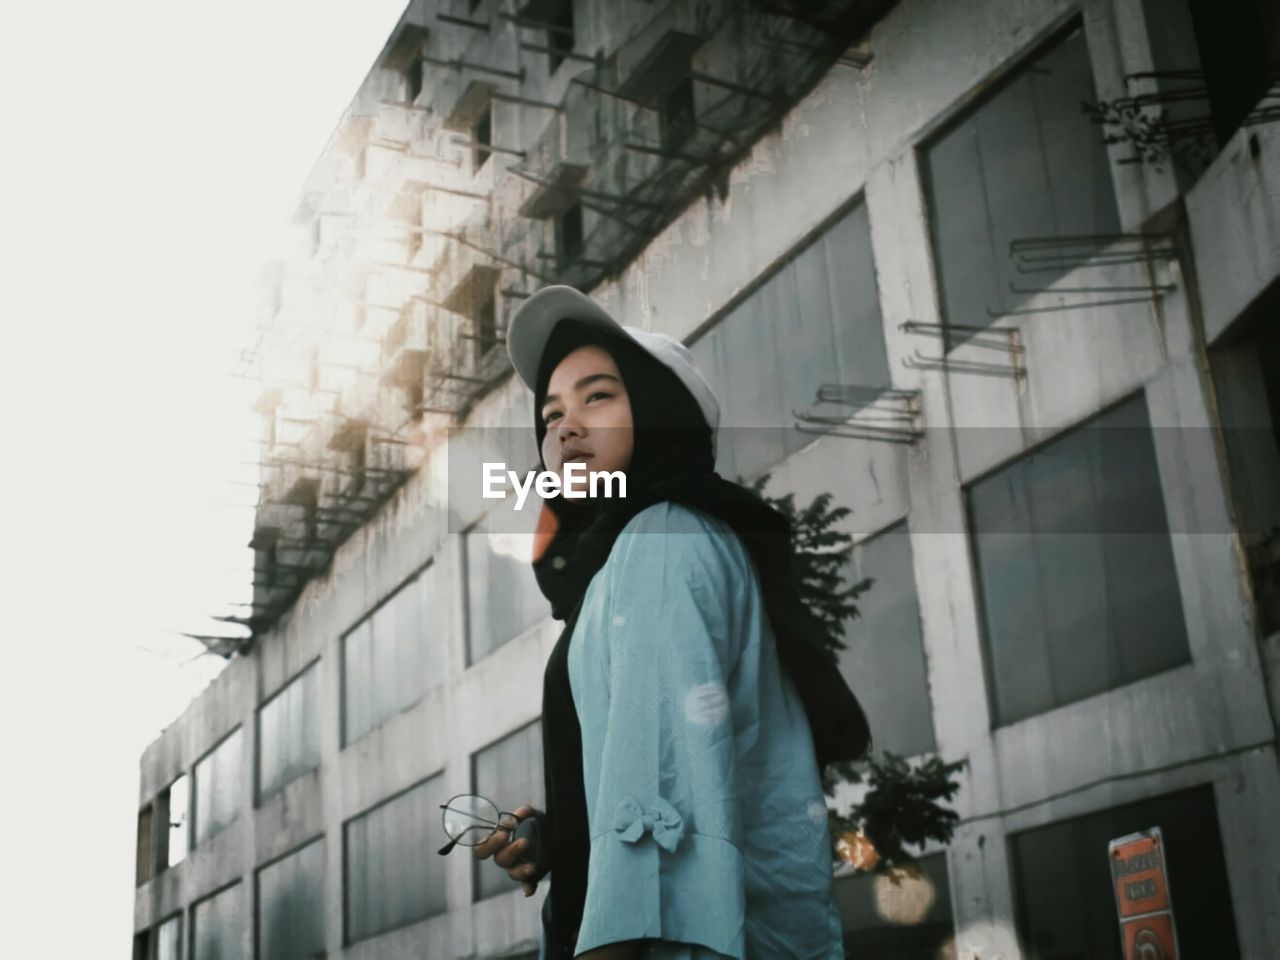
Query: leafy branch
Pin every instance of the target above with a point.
(903, 806)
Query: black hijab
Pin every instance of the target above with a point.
(672, 459)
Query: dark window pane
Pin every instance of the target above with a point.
(392, 657)
(168, 939)
(1066, 908)
(145, 862)
(291, 906)
(884, 657)
(1075, 567)
(816, 320)
(414, 78)
(560, 38)
(486, 326)
(509, 773)
(497, 566)
(1239, 52)
(569, 234)
(481, 136)
(1025, 162)
(393, 876)
(676, 114)
(217, 788)
(289, 733)
(217, 925)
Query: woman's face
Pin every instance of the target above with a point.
(587, 413)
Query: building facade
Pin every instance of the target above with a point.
(1002, 276)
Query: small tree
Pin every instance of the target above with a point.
(903, 806)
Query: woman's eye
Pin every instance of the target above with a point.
(598, 393)
(547, 418)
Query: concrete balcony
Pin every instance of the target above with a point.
(1237, 256)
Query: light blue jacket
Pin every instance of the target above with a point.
(707, 818)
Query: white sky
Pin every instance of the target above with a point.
(150, 154)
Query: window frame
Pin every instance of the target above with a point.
(258, 796)
(347, 940)
(963, 108)
(190, 932)
(257, 880)
(192, 826)
(557, 53)
(994, 722)
(891, 528)
(474, 787)
(343, 638)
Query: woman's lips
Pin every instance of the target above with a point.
(579, 457)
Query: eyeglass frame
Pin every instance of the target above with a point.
(494, 827)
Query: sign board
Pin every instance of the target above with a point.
(1141, 886)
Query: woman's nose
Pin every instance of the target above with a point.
(568, 425)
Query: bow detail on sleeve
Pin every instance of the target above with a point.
(630, 821)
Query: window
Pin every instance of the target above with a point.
(392, 657)
(218, 924)
(509, 773)
(1217, 65)
(266, 539)
(1074, 566)
(393, 876)
(1246, 377)
(560, 39)
(484, 320)
(482, 138)
(1062, 879)
(496, 564)
(290, 904)
(357, 474)
(1024, 162)
(909, 919)
(677, 117)
(162, 830)
(415, 79)
(168, 939)
(145, 857)
(176, 804)
(217, 788)
(289, 733)
(569, 235)
(814, 321)
(884, 655)
(161, 942)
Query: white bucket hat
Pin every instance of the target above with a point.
(535, 319)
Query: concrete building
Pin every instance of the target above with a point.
(1002, 275)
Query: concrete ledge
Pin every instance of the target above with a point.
(1234, 212)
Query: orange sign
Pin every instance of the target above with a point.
(1141, 886)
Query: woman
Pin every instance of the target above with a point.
(682, 734)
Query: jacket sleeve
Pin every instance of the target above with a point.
(666, 847)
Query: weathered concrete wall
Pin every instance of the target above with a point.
(1234, 210)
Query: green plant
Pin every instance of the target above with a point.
(821, 553)
(903, 806)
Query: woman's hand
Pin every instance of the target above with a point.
(506, 854)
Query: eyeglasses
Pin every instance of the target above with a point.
(470, 820)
